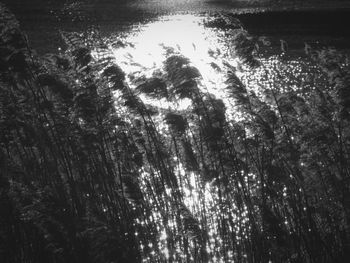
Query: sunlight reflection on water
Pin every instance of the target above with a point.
(209, 50)
(143, 54)
(180, 34)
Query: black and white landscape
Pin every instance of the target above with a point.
(174, 131)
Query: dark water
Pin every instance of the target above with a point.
(321, 26)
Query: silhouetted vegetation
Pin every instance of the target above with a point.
(90, 173)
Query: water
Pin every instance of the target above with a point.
(321, 26)
(213, 52)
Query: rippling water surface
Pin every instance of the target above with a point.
(141, 53)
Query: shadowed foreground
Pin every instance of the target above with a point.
(91, 172)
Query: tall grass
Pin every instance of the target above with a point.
(88, 176)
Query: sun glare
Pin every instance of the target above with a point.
(142, 55)
(184, 35)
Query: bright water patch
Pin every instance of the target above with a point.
(141, 54)
(179, 34)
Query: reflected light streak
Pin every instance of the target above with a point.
(186, 35)
(180, 34)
